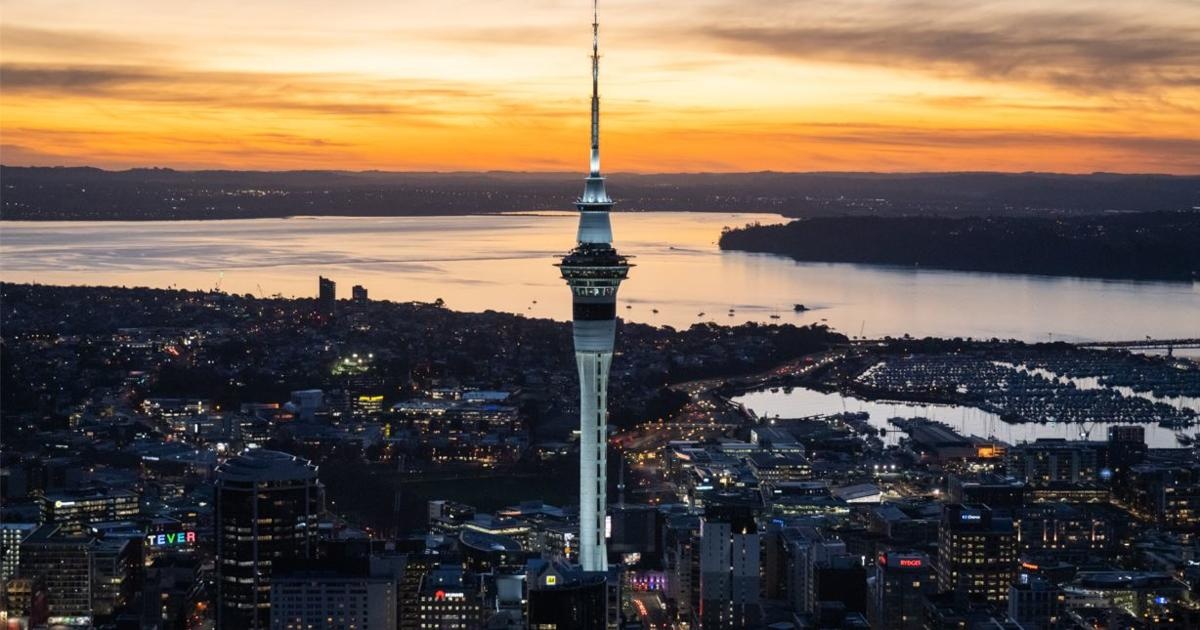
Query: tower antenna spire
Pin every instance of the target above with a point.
(595, 170)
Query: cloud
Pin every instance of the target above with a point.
(1083, 51)
(70, 43)
(430, 102)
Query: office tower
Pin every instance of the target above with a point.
(168, 589)
(991, 490)
(681, 565)
(1048, 460)
(729, 563)
(267, 504)
(114, 563)
(1068, 530)
(449, 600)
(635, 529)
(1035, 603)
(1167, 494)
(11, 535)
(58, 570)
(326, 296)
(1126, 449)
(807, 550)
(594, 271)
(333, 597)
(415, 567)
(74, 510)
(977, 553)
(359, 293)
(897, 590)
(563, 597)
(842, 580)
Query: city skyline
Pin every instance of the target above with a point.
(839, 400)
(850, 85)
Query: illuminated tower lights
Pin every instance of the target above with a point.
(594, 270)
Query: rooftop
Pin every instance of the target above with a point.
(265, 465)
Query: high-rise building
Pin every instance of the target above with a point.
(807, 551)
(998, 493)
(449, 600)
(730, 565)
(11, 535)
(58, 568)
(897, 590)
(114, 563)
(1126, 449)
(1167, 494)
(326, 296)
(594, 270)
(267, 504)
(1034, 602)
(74, 510)
(1049, 460)
(563, 597)
(681, 565)
(977, 553)
(842, 581)
(359, 293)
(333, 598)
(1060, 527)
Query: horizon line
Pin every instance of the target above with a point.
(575, 173)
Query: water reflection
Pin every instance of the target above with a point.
(503, 262)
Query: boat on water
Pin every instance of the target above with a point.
(799, 308)
(774, 317)
(654, 310)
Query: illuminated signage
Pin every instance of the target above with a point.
(1029, 565)
(173, 538)
(442, 596)
(551, 580)
(971, 516)
(910, 562)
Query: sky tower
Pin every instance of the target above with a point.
(593, 270)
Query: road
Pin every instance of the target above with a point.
(651, 610)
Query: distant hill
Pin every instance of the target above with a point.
(37, 193)
(1151, 246)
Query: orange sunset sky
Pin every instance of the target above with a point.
(687, 85)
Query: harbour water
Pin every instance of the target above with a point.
(504, 262)
(801, 402)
